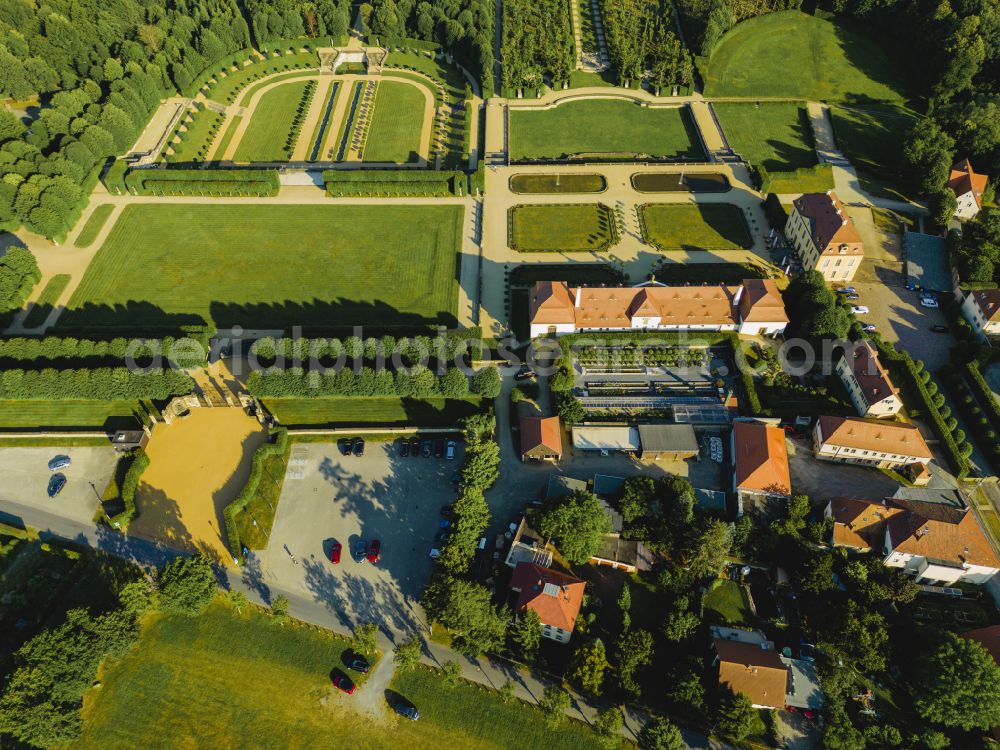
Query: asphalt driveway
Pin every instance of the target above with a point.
(328, 498)
(26, 475)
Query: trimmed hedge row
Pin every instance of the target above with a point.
(139, 462)
(984, 393)
(114, 178)
(398, 182)
(18, 275)
(646, 338)
(975, 419)
(216, 68)
(275, 446)
(31, 349)
(98, 384)
(257, 182)
(448, 345)
(932, 405)
(419, 382)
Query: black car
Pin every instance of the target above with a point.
(344, 445)
(359, 447)
(409, 712)
(414, 447)
(438, 448)
(404, 447)
(939, 328)
(447, 511)
(442, 537)
(359, 664)
(525, 373)
(56, 483)
(426, 448)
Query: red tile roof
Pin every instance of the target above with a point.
(829, 222)
(860, 524)
(747, 668)
(556, 597)
(761, 458)
(988, 638)
(871, 375)
(964, 180)
(541, 432)
(989, 303)
(876, 435)
(940, 532)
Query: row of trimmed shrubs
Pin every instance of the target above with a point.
(138, 462)
(418, 382)
(398, 182)
(218, 182)
(97, 384)
(448, 345)
(975, 419)
(276, 445)
(39, 350)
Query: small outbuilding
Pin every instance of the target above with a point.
(606, 439)
(127, 440)
(541, 439)
(669, 442)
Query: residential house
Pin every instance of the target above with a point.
(528, 546)
(982, 310)
(760, 461)
(752, 307)
(541, 439)
(867, 381)
(752, 669)
(628, 555)
(869, 442)
(554, 596)
(859, 524)
(968, 188)
(670, 442)
(825, 236)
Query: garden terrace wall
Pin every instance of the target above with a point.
(276, 445)
(203, 182)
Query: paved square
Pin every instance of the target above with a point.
(330, 498)
(26, 475)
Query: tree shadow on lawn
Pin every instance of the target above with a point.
(874, 59)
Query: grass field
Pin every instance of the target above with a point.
(61, 414)
(334, 266)
(775, 135)
(197, 139)
(795, 55)
(322, 128)
(227, 89)
(396, 124)
(271, 124)
(872, 138)
(94, 225)
(603, 126)
(557, 183)
(43, 305)
(730, 603)
(263, 504)
(371, 412)
(708, 226)
(476, 718)
(561, 228)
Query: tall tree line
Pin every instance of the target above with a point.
(285, 19)
(464, 27)
(706, 21)
(640, 35)
(537, 40)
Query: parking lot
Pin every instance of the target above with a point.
(26, 476)
(328, 498)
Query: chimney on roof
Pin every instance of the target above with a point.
(578, 291)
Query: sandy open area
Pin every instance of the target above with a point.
(197, 466)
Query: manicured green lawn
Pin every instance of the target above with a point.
(603, 126)
(92, 414)
(223, 680)
(48, 297)
(371, 412)
(226, 90)
(558, 183)
(795, 55)
(395, 130)
(263, 504)
(273, 265)
(196, 141)
(322, 128)
(872, 138)
(707, 226)
(271, 124)
(561, 228)
(775, 135)
(729, 602)
(94, 225)
(475, 717)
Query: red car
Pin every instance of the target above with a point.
(335, 553)
(343, 683)
(374, 550)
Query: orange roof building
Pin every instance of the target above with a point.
(867, 382)
(869, 442)
(982, 309)
(750, 669)
(752, 307)
(760, 461)
(860, 524)
(556, 597)
(825, 236)
(988, 638)
(968, 188)
(541, 439)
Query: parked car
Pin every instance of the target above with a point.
(335, 551)
(845, 290)
(414, 447)
(939, 328)
(56, 483)
(426, 448)
(807, 652)
(525, 373)
(359, 446)
(445, 523)
(409, 712)
(859, 309)
(438, 448)
(360, 550)
(852, 297)
(442, 537)
(929, 302)
(447, 511)
(404, 447)
(344, 445)
(374, 549)
(449, 450)
(435, 553)
(868, 327)
(59, 462)
(359, 664)
(343, 683)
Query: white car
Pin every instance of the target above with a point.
(859, 309)
(928, 302)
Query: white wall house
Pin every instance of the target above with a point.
(982, 310)
(825, 236)
(867, 382)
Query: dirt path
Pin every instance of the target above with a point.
(303, 146)
(370, 698)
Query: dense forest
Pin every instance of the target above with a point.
(641, 37)
(705, 21)
(537, 41)
(286, 19)
(464, 27)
